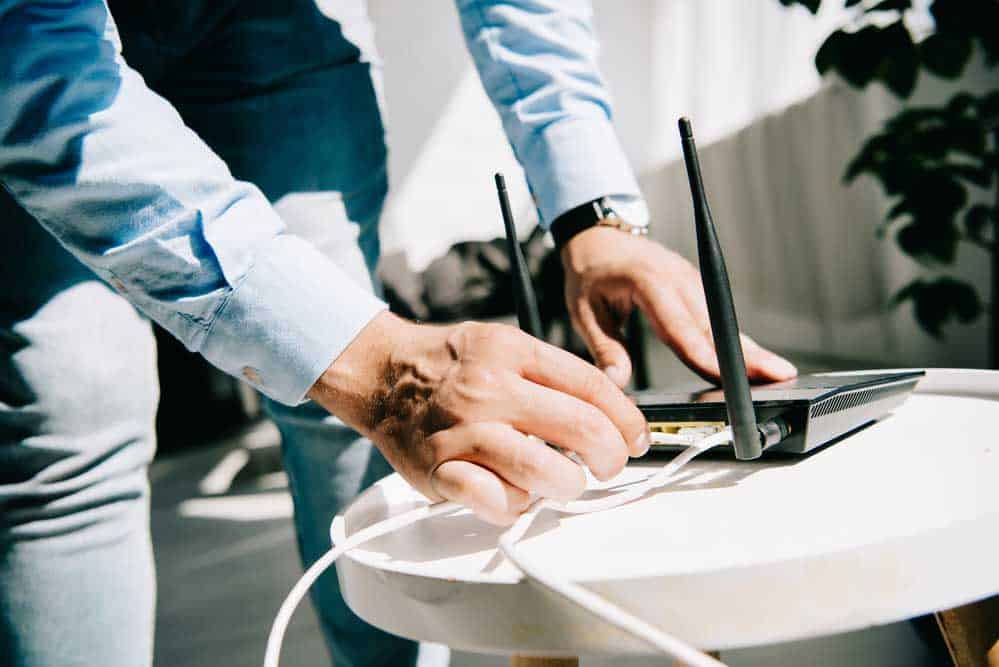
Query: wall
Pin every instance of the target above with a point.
(812, 277)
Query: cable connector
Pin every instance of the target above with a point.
(773, 431)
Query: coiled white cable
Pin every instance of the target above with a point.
(280, 625)
(593, 603)
(667, 644)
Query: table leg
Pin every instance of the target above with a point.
(527, 661)
(971, 633)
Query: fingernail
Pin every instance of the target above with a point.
(618, 375)
(642, 444)
(782, 367)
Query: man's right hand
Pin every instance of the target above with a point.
(451, 407)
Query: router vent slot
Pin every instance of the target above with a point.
(842, 402)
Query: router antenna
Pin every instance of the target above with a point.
(721, 310)
(523, 293)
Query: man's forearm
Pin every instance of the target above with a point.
(538, 62)
(110, 169)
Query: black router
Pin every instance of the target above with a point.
(795, 416)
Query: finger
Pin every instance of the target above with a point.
(692, 294)
(762, 365)
(478, 489)
(674, 325)
(526, 463)
(602, 336)
(571, 423)
(569, 375)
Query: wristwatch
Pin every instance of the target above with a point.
(593, 213)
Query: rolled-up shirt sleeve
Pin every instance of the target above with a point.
(110, 169)
(538, 62)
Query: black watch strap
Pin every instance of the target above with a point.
(578, 219)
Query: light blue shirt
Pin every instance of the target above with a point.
(110, 169)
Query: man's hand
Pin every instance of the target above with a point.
(608, 273)
(451, 408)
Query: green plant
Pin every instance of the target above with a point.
(927, 159)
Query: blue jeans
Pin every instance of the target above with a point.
(291, 104)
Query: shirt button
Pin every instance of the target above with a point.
(251, 374)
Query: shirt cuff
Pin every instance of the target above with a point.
(574, 162)
(290, 317)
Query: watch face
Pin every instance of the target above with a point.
(632, 210)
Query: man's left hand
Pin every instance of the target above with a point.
(609, 272)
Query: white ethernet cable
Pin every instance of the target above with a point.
(596, 605)
(591, 602)
(280, 625)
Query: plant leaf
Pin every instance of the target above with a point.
(854, 55)
(810, 5)
(962, 297)
(829, 53)
(980, 176)
(873, 153)
(899, 65)
(962, 104)
(967, 136)
(936, 197)
(891, 5)
(988, 107)
(977, 19)
(977, 221)
(929, 243)
(898, 210)
(945, 55)
(952, 16)
(938, 302)
(887, 54)
(906, 293)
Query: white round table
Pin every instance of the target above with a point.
(899, 520)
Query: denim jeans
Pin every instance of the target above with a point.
(288, 97)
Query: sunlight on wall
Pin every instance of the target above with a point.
(744, 72)
(727, 64)
(447, 194)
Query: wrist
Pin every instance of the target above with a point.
(626, 214)
(357, 380)
(569, 252)
(594, 246)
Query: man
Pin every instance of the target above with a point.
(121, 142)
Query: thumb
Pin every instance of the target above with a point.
(601, 331)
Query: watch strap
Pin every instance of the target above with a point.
(578, 219)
